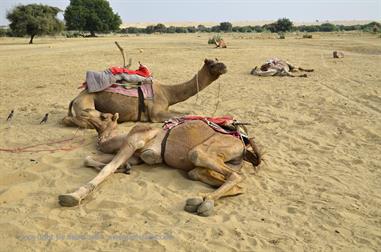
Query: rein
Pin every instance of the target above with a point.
(31, 148)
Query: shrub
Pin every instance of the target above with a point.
(309, 36)
(212, 40)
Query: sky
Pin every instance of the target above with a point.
(226, 10)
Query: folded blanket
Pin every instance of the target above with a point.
(98, 81)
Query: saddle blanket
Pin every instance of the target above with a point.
(99, 81)
(132, 92)
(216, 123)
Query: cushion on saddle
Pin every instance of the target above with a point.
(99, 81)
(132, 92)
(222, 124)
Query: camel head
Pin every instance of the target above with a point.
(214, 67)
(105, 124)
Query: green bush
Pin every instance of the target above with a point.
(212, 40)
(309, 36)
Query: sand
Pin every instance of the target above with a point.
(319, 189)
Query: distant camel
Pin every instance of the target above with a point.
(192, 145)
(337, 54)
(277, 67)
(220, 44)
(157, 108)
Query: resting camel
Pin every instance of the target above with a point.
(157, 108)
(277, 67)
(220, 44)
(193, 146)
(338, 55)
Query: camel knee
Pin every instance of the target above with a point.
(195, 156)
(151, 157)
(194, 174)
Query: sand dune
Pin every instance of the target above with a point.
(319, 189)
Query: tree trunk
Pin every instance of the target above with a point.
(31, 39)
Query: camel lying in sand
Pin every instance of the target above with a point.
(157, 108)
(220, 44)
(193, 146)
(277, 67)
(338, 55)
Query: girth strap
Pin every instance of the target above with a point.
(164, 145)
(141, 106)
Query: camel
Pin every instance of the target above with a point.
(337, 54)
(220, 44)
(156, 109)
(204, 154)
(278, 67)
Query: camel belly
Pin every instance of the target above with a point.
(182, 139)
(126, 106)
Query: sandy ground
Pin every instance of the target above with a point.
(319, 189)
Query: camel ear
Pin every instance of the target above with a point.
(208, 61)
(115, 117)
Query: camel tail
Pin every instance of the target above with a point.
(69, 112)
(254, 157)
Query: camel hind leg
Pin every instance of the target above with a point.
(213, 179)
(212, 155)
(84, 102)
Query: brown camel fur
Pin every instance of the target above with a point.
(194, 147)
(278, 67)
(156, 109)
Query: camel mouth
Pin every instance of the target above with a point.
(219, 68)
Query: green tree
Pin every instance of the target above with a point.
(33, 20)
(327, 27)
(92, 16)
(226, 26)
(283, 25)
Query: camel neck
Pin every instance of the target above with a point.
(181, 92)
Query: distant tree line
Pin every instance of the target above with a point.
(282, 25)
(96, 16)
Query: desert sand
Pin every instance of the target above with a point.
(318, 190)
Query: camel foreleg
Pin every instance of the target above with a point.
(74, 198)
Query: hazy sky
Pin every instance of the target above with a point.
(227, 10)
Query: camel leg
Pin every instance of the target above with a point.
(213, 154)
(270, 72)
(76, 121)
(165, 115)
(213, 179)
(305, 70)
(137, 138)
(101, 160)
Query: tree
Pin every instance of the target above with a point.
(283, 25)
(92, 16)
(160, 28)
(33, 20)
(226, 26)
(328, 27)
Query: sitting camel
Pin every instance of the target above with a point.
(193, 146)
(220, 44)
(157, 108)
(277, 67)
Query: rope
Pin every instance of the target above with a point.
(198, 87)
(218, 98)
(30, 148)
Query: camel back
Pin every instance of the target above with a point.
(182, 139)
